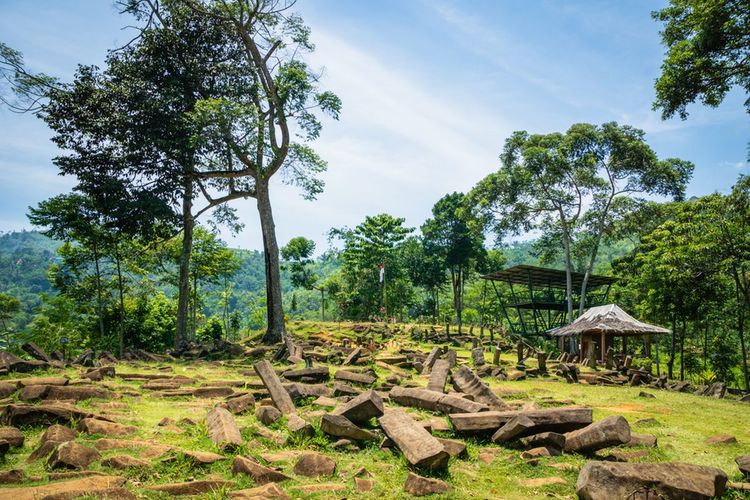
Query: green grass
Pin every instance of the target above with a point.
(684, 423)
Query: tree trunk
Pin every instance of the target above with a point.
(741, 333)
(670, 361)
(194, 326)
(682, 350)
(120, 287)
(274, 310)
(568, 275)
(183, 288)
(99, 300)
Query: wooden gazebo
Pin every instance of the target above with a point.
(599, 326)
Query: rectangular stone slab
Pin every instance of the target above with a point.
(430, 361)
(280, 397)
(357, 378)
(419, 447)
(439, 375)
(466, 381)
(434, 401)
(545, 420)
(222, 429)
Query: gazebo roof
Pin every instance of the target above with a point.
(609, 319)
(544, 277)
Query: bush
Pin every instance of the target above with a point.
(212, 330)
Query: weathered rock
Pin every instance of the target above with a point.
(641, 440)
(607, 480)
(721, 439)
(354, 377)
(146, 449)
(514, 428)
(12, 476)
(434, 401)
(541, 451)
(212, 392)
(297, 426)
(318, 374)
(36, 352)
(340, 426)
(280, 397)
(58, 433)
(13, 436)
(743, 463)
(200, 458)
(421, 486)
(453, 447)
(439, 375)
(466, 381)
(609, 431)
(341, 389)
(548, 419)
(74, 392)
(240, 404)
(13, 363)
(222, 429)
(267, 414)
(361, 408)
(7, 389)
(95, 426)
(299, 391)
(72, 455)
(92, 486)
(314, 465)
(97, 374)
(260, 473)
(363, 485)
(192, 487)
(353, 356)
(539, 482)
(125, 462)
(267, 491)
(25, 382)
(430, 361)
(419, 447)
(552, 439)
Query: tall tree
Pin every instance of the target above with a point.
(249, 128)
(449, 233)
(9, 305)
(708, 53)
(298, 256)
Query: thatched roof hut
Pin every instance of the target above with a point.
(607, 320)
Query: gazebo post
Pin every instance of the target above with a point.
(603, 347)
(624, 346)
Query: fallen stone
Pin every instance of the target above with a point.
(298, 427)
(721, 439)
(267, 414)
(36, 352)
(299, 390)
(340, 426)
(353, 356)
(541, 451)
(212, 392)
(619, 455)
(92, 486)
(466, 381)
(318, 374)
(325, 401)
(607, 480)
(240, 404)
(646, 395)
(192, 487)
(361, 408)
(13, 436)
(609, 431)
(419, 447)
(200, 458)
(514, 428)
(439, 375)
(279, 395)
(75, 392)
(98, 374)
(267, 491)
(58, 433)
(95, 426)
(363, 485)
(312, 489)
(641, 440)
(743, 463)
(222, 429)
(421, 486)
(71, 455)
(548, 419)
(12, 476)
(25, 382)
(7, 389)
(434, 401)
(260, 473)
(453, 447)
(314, 465)
(341, 389)
(354, 377)
(552, 439)
(146, 449)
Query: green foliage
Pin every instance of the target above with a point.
(707, 53)
(212, 330)
(298, 256)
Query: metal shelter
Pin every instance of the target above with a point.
(534, 302)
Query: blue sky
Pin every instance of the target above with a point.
(430, 90)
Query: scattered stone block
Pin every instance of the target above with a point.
(551, 439)
(192, 487)
(260, 473)
(96, 426)
(280, 396)
(240, 404)
(92, 486)
(547, 419)
(513, 429)
(434, 401)
(314, 465)
(361, 408)
(419, 447)
(421, 486)
(641, 440)
(71, 455)
(540, 482)
(298, 427)
(267, 414)
(340, 426)
(222, 429)
(453, 447)
(318, 374)
(721, 439)
(541, 451)
(439, 375)
(363, 485)
(466, 381)
(267, 491)
(743, 463)
(12, 476)
(607, 480)
(609, 431)
(125, 462)
(354, 377)
(13, 436)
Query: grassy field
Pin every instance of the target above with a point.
(682, 424)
